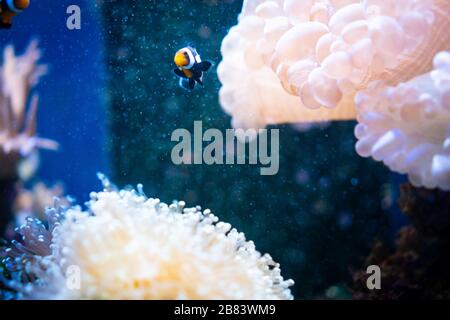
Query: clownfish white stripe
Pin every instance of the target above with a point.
(191, 58)
(197, 58)
(12, 6)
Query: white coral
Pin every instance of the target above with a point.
(131, 247)
(291, 61)
(322, 52)
(18, 75)
(408, 126)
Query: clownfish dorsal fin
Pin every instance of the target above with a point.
(205, 66)
(191, 57)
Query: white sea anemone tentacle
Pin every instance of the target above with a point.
(128, 246)
(408, 126)
(285, 55)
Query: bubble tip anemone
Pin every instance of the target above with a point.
(347, 46)
(408, 126)
(268, 79)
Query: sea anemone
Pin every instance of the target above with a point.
(18, 139)
(305, 61)
(128, 246)
(34, 202)
(285, 55)
(408, 126)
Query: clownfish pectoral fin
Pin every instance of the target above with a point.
(179, 73)
(184, 83)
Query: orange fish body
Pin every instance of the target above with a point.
(9, 9)
(188, 73)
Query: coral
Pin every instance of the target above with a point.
(33, 202)
(285, 54)
(419, 267)
(408, 126)
(427, 210)
(21, 203)
(128, 246)
(18, 139)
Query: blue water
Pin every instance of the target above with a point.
(71, 107)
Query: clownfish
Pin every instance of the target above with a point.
(9, 9)
(190, 67)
